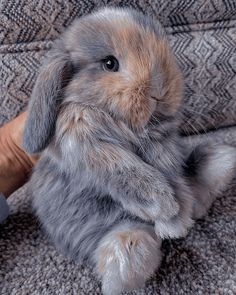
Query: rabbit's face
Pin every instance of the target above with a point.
(123, 65)
(117, 60)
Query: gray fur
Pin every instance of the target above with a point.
(101, 188)
(43, 106)
(209, 168)
(127, 268)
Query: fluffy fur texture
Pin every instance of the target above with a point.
(114, 177)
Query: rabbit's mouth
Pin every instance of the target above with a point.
(139, 112)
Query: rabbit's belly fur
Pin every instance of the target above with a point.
(76, 216)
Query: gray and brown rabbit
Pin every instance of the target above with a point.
(114, 177)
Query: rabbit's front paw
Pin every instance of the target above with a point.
(167, 206)
(173, 228)
(154, 203)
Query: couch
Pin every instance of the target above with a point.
(202, 34)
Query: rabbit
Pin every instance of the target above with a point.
(114, 177)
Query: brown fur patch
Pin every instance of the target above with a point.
(72, 120)
(129, 239)
(144, 58)
(80, 125)
(105, 254)
(125, 241)
(172, 78)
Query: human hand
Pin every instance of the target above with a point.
(15, 163)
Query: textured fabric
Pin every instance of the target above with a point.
(202, 263)
(202, 34)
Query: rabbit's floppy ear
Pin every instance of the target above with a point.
(45, 100)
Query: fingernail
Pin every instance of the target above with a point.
(4, 208)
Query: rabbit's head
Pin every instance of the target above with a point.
(117, 60)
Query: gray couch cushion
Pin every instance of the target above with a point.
(202, 34)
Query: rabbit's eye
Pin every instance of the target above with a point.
(110, 64)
